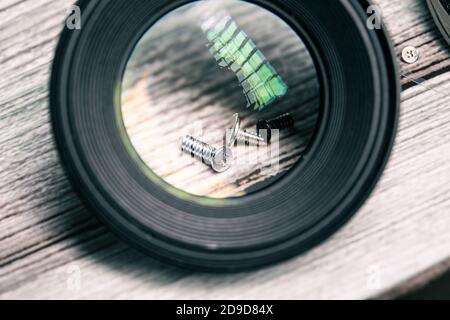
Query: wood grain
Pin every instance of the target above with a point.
(398, 240)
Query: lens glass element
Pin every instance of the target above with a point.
(197, 84)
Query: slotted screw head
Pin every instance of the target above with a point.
(235, 129)
(221, 161)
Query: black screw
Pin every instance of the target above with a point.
(284, 121)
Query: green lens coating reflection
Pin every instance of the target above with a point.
(233, 49)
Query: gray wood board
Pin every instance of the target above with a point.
(398, 240)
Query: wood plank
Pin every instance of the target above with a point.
(399, 238)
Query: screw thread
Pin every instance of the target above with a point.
(282, 122)
(199, 149)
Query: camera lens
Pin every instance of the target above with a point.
(141, 97)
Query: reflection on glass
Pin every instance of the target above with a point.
(194, 70)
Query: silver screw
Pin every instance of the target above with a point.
(242, 136)
(410, 54)
(218, 158)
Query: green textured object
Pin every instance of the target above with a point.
(233, 49)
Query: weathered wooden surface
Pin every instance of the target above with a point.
(173, 87)
(398, 240)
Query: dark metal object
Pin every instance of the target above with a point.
(284, 121)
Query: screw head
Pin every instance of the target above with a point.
(234, 130)
(410, 54)
(222, 160)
